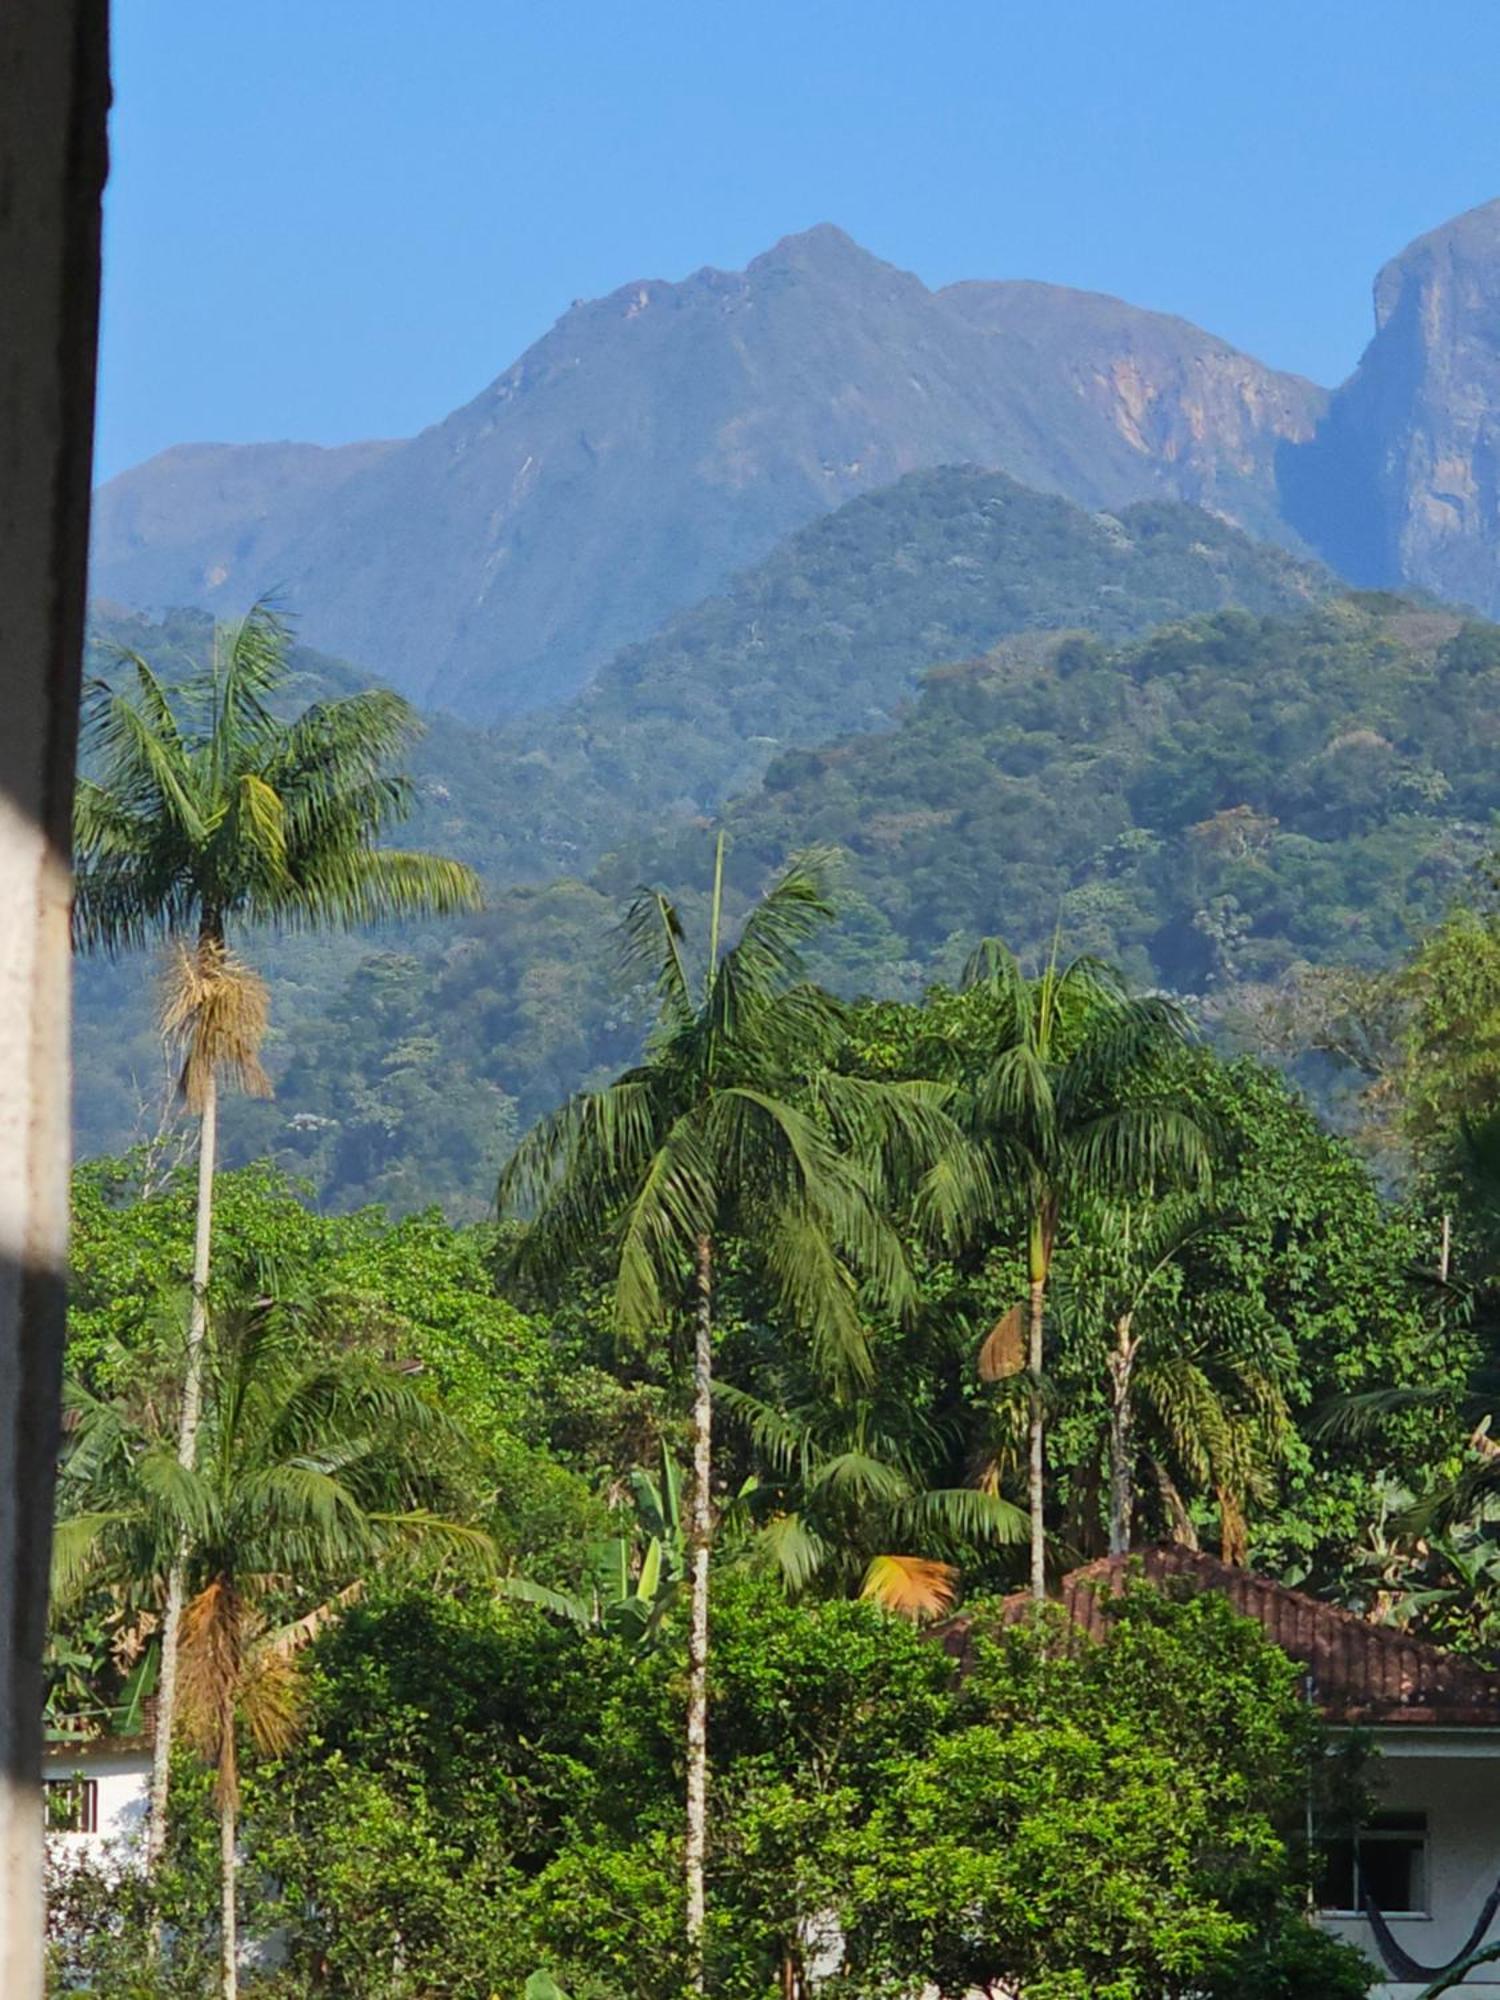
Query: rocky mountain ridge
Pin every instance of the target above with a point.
(658, 440)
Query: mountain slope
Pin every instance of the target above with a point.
(1207, 805)
(657, 440)
(1211, 421)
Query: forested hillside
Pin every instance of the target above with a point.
(1205, 806)
(1209, 806)
(832, 632)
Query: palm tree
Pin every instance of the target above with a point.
(731, 1126)
(203, 810)
(1194, 1377)
(312, 1467)
(847, 1484)
(1070, 1103)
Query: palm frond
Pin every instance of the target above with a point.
(795, 1549)
(1136, 1148)
(674, 1206)
(1361, 1414)
(861, 1476)
(967, 1513)
(363, 885)
(787, 1441)
(767, 957)
(652, 947)
(915, 1587)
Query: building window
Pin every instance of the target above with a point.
(72, 1805)
(1386, 1861)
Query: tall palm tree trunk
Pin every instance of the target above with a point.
(699, 1535)
(187, 1451)
(1037, 1471)
(1121, 1429)
(229, 1938)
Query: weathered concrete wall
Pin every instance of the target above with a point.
(53, 100)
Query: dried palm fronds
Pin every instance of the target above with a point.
(215, 1008)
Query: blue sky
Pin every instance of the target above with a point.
(332, 219)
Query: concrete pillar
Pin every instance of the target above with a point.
(54, 92)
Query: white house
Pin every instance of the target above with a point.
(1419, 1887)
(95, 1792)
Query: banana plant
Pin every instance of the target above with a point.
(628, 1597)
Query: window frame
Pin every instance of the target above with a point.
(1374, 1834)
(86, 1791)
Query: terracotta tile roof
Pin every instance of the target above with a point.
(1360, 1673)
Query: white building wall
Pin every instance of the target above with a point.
(123, 1778)
(1455, 1781)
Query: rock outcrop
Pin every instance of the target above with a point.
(1401, 484)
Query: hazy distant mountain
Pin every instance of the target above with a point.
(659, 439)
(1402, 481)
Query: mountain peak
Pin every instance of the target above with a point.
(1471, 239)
(823, 250)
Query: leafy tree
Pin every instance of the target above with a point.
(310, 1469)
(1195, 1375)
(1111, 1822)
(203, 810)
(713, 1136)
(1343, 1276)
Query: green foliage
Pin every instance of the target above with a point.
(1316, 1254)
(1206, 807)
(631, 1593)
(1109, 1821)
(417, 1294)
(718, 1133)
(480, 1793)
(200, 806)
(1313, 1271)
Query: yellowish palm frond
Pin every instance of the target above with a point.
(1003, 1350)
(289, 1640)
(914, 1586)
(210, 1656)
(271, 1700)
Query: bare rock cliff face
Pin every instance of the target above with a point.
(1205, 422)
(1402, 483)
